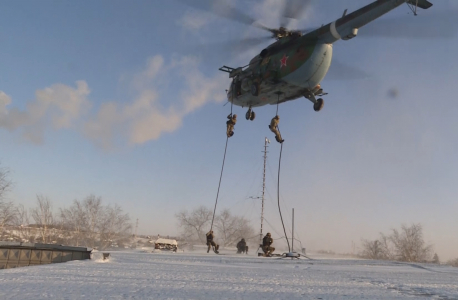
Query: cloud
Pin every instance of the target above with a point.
(4, 101)
(134, 121)
(144, 118)
(58, 106)
(193, 21)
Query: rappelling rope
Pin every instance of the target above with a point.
(219, 185)
(222, 167)
(278, 183)
(278, 197)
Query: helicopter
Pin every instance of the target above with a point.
(296, 63)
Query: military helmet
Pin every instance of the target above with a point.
(277, 117)
(235, 116)
(268, 234)
(243, 239)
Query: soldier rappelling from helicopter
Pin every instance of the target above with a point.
(274, 128)
(230, 125)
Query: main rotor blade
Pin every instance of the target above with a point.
(428, 25)
(293, 9)
(228, 48)
(224, 9)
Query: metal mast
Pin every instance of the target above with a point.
(292, 238)
(266, 141)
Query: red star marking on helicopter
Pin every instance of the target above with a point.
(283, 61)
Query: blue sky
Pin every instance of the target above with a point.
(124, 100)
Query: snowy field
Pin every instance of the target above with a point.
(138, 275)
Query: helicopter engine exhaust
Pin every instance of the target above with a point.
(352, 33)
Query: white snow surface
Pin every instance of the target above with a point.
(165, 275)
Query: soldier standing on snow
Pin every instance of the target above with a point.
(211, 243)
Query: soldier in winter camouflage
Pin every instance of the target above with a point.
(242, 247)
(273, 127)
(267, 241)
(231, 124)
(211, 243)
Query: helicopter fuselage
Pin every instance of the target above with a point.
(293, 71)
(294, 66)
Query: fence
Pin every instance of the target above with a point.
(13, 254)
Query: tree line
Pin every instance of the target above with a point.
(87, 223)
(228, 228)
(406, 244)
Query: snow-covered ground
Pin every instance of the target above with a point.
(138, 275)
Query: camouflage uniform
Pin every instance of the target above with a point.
(273, 127)
(211, 243)
(267, 241)
(230, 124)
(242, 247)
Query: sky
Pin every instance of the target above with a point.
(124, 100)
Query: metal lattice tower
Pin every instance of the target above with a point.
(266, 141)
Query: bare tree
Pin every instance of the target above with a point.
(406, 244)
(453, 262)
(371, 249)
(7, 209)
(74, 221)
(5, 182)
(232, 228)
(386, 247)
(43, 217)
(115, 226)
(7, 214)
(436, 259)
(93, 211)
(409, 244)
(22, 222)
(195, 224)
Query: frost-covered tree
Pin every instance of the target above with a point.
(74, 219)
(42, 214)
(115, 226)
(22, 222)
(436, 259)
(232, 228)
(453, 262)
(409, 244)
(228, 228)
(194, 224)
(5, 182)
(406, 244)
(7, 208)
(93, 211)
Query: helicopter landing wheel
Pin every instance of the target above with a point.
(255, 89)
(318, 105)
(253, 115)
(250, 115)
